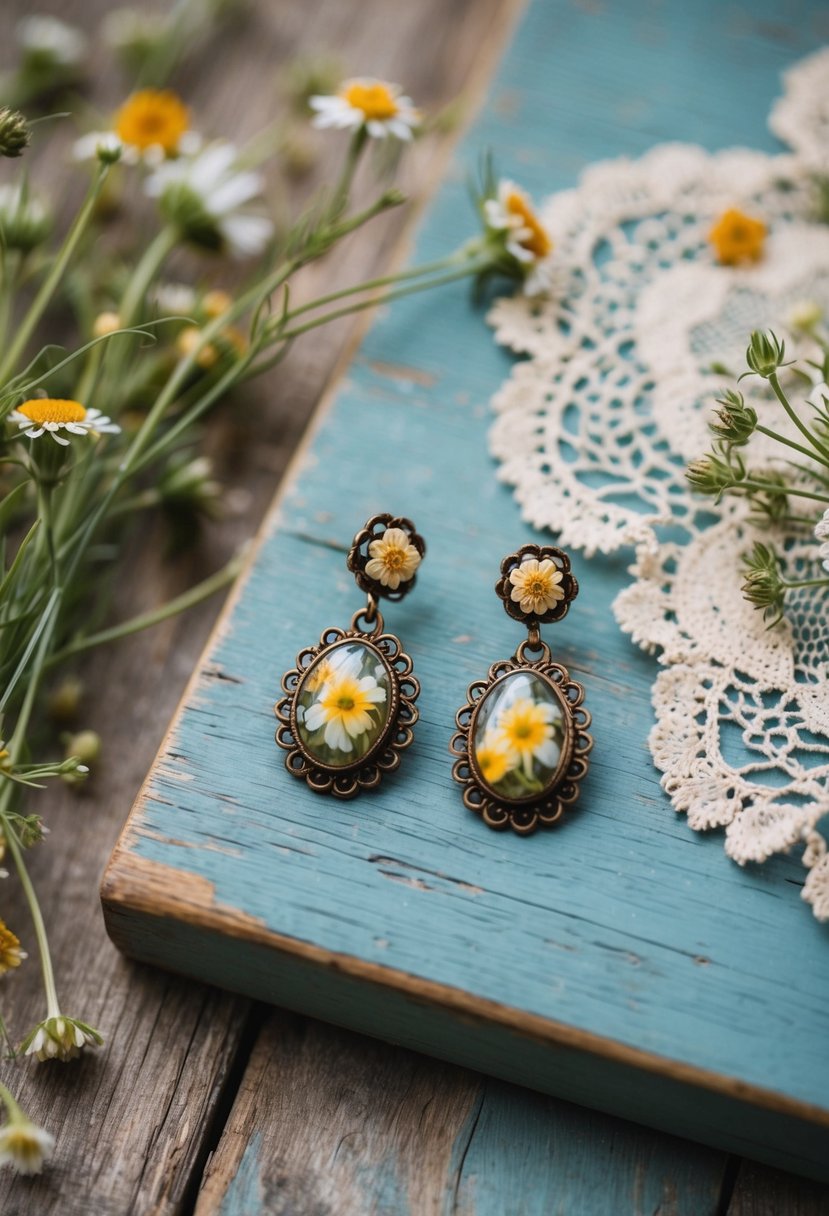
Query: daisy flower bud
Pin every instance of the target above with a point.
(60, 1038)
(765, 353)
(25, 222)
(106, 323)
(14, 133)
(84, 747)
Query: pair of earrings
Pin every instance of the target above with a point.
(522, 744)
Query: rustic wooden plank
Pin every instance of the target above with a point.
(623, 945)
(330, 1122)
(134, 1124)
(760, 1191)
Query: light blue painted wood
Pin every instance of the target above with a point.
(623, 922)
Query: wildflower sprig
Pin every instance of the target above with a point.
(97, 434)
(800, 474)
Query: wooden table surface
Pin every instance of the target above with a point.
(164, 1119)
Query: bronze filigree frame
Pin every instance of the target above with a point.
(527, 814)
(345, 781)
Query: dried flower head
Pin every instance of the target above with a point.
(737, 238)
(735, 421)
(15, 135)
(11, 955)
(60, 1038)
(763, 585)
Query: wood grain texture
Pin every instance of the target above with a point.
(379, 1130)
(622, 924)
(135, 1122)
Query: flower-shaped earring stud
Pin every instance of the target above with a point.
(522, 745)
(349, 704)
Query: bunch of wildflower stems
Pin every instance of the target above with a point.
(785, 493)
(85, 493)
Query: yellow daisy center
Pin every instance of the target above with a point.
(152, 117)
(525, 727)
(394, 558)
(345, 700)
(375, 100)
(538, 242)
(52, 409)
(10, 952)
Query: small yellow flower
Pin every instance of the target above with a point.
(105, 323)
(345, 707)
(215, 303)
(11, 955)
(152, 118)
(48, 415)
(526, 727)
(24, 1146)
(494, 758)
(536, 586)
(393, 558)
(737, 237)
(187, 343)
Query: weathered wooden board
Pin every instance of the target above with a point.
(621, 960)
(331, 1122)
(134, 1123)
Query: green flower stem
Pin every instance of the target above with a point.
(154, 257)
(50, 284)
(806, 582)
(39, 638)
(52, 1003)
(790, 443)
(775, 488)
(376, 301)
(15, 1113)
(415, 272)
(801, 426)
(352, 159)
(194, 595)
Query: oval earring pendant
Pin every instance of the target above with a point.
(522, 743)
(349, 707)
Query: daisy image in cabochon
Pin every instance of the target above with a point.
(527, 728)
(365, 102)
(347, 705)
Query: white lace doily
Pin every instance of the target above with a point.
(594, 430)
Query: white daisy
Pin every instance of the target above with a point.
(204, 194)
(374, 104)
(52, 40)
(24, 1146)
(48, 415)
(510, 214)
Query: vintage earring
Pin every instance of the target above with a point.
(349, 706)
(522, 741)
